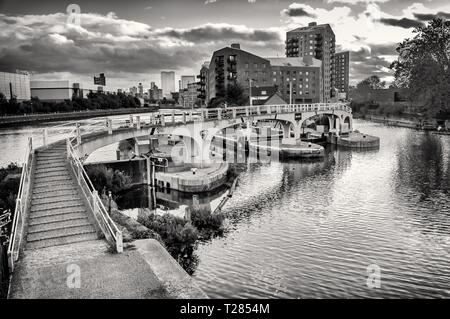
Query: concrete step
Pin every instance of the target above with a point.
(58, 225)
(51, 155)
(58, 205)
(55, 199)
(55, 193)
(63, 240)
(43, 167)
(63, 232)
(49, 179)
(58, 211)
(67, 216)
(42, 189)
(51, 169)
(51, 174)
(45, 160)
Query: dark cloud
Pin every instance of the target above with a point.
(429, 16)
(221, 32)
(298, 12)
(106, 43)
(365, 63)
(402, 23)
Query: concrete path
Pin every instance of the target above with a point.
(53, 273)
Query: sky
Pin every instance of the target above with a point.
(133, 41)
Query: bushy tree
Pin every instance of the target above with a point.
(423, 66)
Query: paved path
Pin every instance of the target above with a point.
(45, 273)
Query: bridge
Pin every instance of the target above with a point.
(60, 215)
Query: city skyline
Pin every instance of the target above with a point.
(132, 44)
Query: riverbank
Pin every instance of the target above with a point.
(19, 120)
(413, 122)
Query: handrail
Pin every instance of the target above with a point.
(21, 204)
(107, 225)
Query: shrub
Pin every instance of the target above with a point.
(106, 179)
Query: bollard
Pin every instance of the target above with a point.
(138, 123)
(234, 113)
(173, 116)
(219, 114)
(163, 120)
(184, 117)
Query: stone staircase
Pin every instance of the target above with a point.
(57, 215)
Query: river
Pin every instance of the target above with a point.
(312, 229)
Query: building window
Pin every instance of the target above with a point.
(255, 65)
(246, 65)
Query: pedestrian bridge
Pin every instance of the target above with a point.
(57, 204)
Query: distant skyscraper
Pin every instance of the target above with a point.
(317, 41)
(185, 80)
(167, 83)
(141, 89)
(342, 71)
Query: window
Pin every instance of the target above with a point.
(274, 72)
(274, 79)
(255, 65)
(246, 65)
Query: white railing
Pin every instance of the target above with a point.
(112, 233)
(21, 207)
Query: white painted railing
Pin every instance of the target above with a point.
(112, 233)
(21, 207)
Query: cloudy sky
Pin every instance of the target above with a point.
(132, 41)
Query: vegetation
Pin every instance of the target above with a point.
(94, 101)
(9, 186)
(372, 82)
(423, 66)
(106, 179)
(234, 95)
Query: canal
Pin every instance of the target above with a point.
(312, 229)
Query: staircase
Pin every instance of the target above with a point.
(57, 215)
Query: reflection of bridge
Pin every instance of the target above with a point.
(57, 203)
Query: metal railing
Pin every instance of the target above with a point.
(112, 233)
(21, 207)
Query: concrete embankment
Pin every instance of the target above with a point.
(18, 120)
(197, 180)
(356, 140)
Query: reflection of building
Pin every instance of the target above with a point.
(167, 83)
(317, 41)
(17, 84)
(302, 75)
(342, 72)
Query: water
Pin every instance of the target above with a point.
(310, 230)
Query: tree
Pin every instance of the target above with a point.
(423, 65)
(235, 95)
(372, 82)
